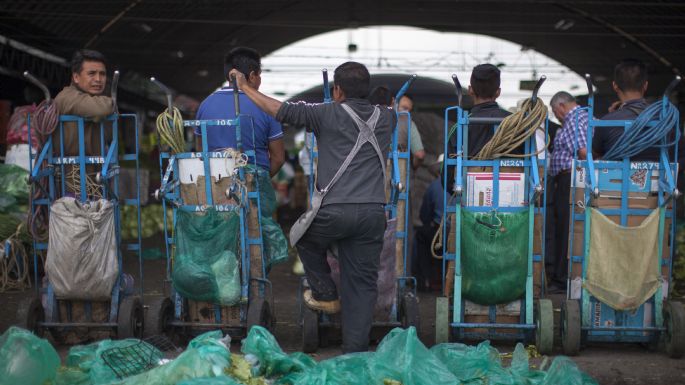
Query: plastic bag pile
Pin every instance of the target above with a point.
(400, 359)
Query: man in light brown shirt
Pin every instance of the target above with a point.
(84, 97)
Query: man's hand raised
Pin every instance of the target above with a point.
(239, 78)
(267, 104)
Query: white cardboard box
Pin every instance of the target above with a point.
(479, 189)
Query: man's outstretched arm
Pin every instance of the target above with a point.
(266, 103)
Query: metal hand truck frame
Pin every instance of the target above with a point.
(535, 316)
(125, 314)
(586, 319)
(170, 315)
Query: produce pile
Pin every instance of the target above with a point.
(400, 359)
(151, 220)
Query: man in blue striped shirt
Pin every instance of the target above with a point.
(571, 137)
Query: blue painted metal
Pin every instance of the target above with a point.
(43, 166)
(170, 195)
(600, 322)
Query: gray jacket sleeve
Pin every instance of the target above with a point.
(301, 114)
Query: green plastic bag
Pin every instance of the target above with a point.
(494, 256)
(347, 369)
(84, 363)
(401, 356)
(205, 266)
(275, 242)
(219, 380)
(206, 356)
(272, 360)
(13, 187)
(26, 359)
(468, 363)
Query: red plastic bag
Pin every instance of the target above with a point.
(17, 129)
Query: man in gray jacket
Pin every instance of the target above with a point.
(353, 138)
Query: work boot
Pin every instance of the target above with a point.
(328, 307)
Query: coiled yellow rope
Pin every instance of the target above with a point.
(514, 130)
(170, 129)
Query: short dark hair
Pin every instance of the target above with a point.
(381, 96)
(85, 55)
(243, 59)
(485, 80)
(630, 75)
(353, 78)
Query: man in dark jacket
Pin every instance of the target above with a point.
(352, 138)
(484, 89)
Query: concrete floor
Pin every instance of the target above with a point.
(609, 364)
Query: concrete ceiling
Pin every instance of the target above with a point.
(183, 41)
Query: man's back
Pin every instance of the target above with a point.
(605, 138)
(336, 134)
(220, 105)
(480, 134)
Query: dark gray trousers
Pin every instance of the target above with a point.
(357, 229)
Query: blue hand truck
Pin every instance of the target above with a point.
(630, 191)
(318, 328)
(45, 312)
(526, 318)
(177, 316)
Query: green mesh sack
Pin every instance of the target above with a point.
(205, 265)
(494, 256)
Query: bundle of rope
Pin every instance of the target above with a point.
(638, 136)
(170, 129)
(44, 120)
(14, 262)
(73, 181)
(514, 130)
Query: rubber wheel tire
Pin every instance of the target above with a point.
(130, 318)
(30, 314)
(543, 316)
(259, 313)
(674, 336)
(569, 326)
(158, 317)
(409, 311)
(310, 330)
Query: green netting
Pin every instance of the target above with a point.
(85, 364)
(494, 256)
(26, 359)
(206, 356)
(205, 265)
